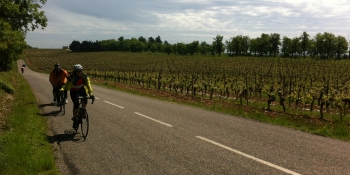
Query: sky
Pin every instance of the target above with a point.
(177, 21)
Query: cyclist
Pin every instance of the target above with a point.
(58, 77)
(22, 69)
(78, 83)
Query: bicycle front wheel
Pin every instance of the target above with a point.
(84, 123)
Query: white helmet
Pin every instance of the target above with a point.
(78, 67)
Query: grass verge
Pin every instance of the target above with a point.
(24, 148)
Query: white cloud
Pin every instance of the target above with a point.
(186, 21)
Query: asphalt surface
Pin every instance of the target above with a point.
(132, 134)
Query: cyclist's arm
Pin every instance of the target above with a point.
(64, 76)
(88, 86)
(68, 85)
(51, 79)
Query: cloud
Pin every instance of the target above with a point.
(187, 21)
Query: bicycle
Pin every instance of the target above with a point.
(62, 100)
(83, 117)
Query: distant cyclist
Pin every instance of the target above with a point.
(58, 78)
(22, 69)
(78, 83)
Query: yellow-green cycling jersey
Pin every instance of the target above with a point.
(77, 82)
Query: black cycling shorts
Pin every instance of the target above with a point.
(73, 96)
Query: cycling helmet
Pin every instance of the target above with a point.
(57, 65)
(78, 67)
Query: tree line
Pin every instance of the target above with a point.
(17, 17)
(322, 45)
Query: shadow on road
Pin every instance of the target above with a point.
(69, 135)
(48, 104)
(52, 113)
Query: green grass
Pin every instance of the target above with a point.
(24, 148)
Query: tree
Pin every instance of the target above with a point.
(218, 46)
(151, 40)
(168, 48)
(245, 43)
(74, 46)
(229, 46)
(341, 45)
(86, 46)
(329, 44)
(318, 44)
(275, 42)
(193, 47)
(109, 45)
(158, 40)
(153, 47)
(204, 48)
(286, 46)
(159, 47)
(305, 43)
(180, 48)
(133, 45)
(264, 44)
(254, 45)
(295, 46)
(11, 45)
(121, 44)
(237, 44)
(142, 39)
(16, 18)
(23, 15)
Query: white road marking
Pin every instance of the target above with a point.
(249, 156)
(153, 119)
(114, 104)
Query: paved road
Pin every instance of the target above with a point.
(137, 135)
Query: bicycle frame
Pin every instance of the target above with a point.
(83, 117)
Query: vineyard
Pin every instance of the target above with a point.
(301, 86)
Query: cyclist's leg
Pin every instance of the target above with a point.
(83, 93)
(73, 95)
(57, 94)
(53, 93)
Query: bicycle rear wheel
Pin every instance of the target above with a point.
(63, 102)
(84, 122)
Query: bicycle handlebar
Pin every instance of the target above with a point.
(82, 97)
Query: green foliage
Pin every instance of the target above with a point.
(323, 45)
(74, 46)
(16, 18)
(218, 46)
(11, 45)
(6, 87)
(23, 15)
(238, 45)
